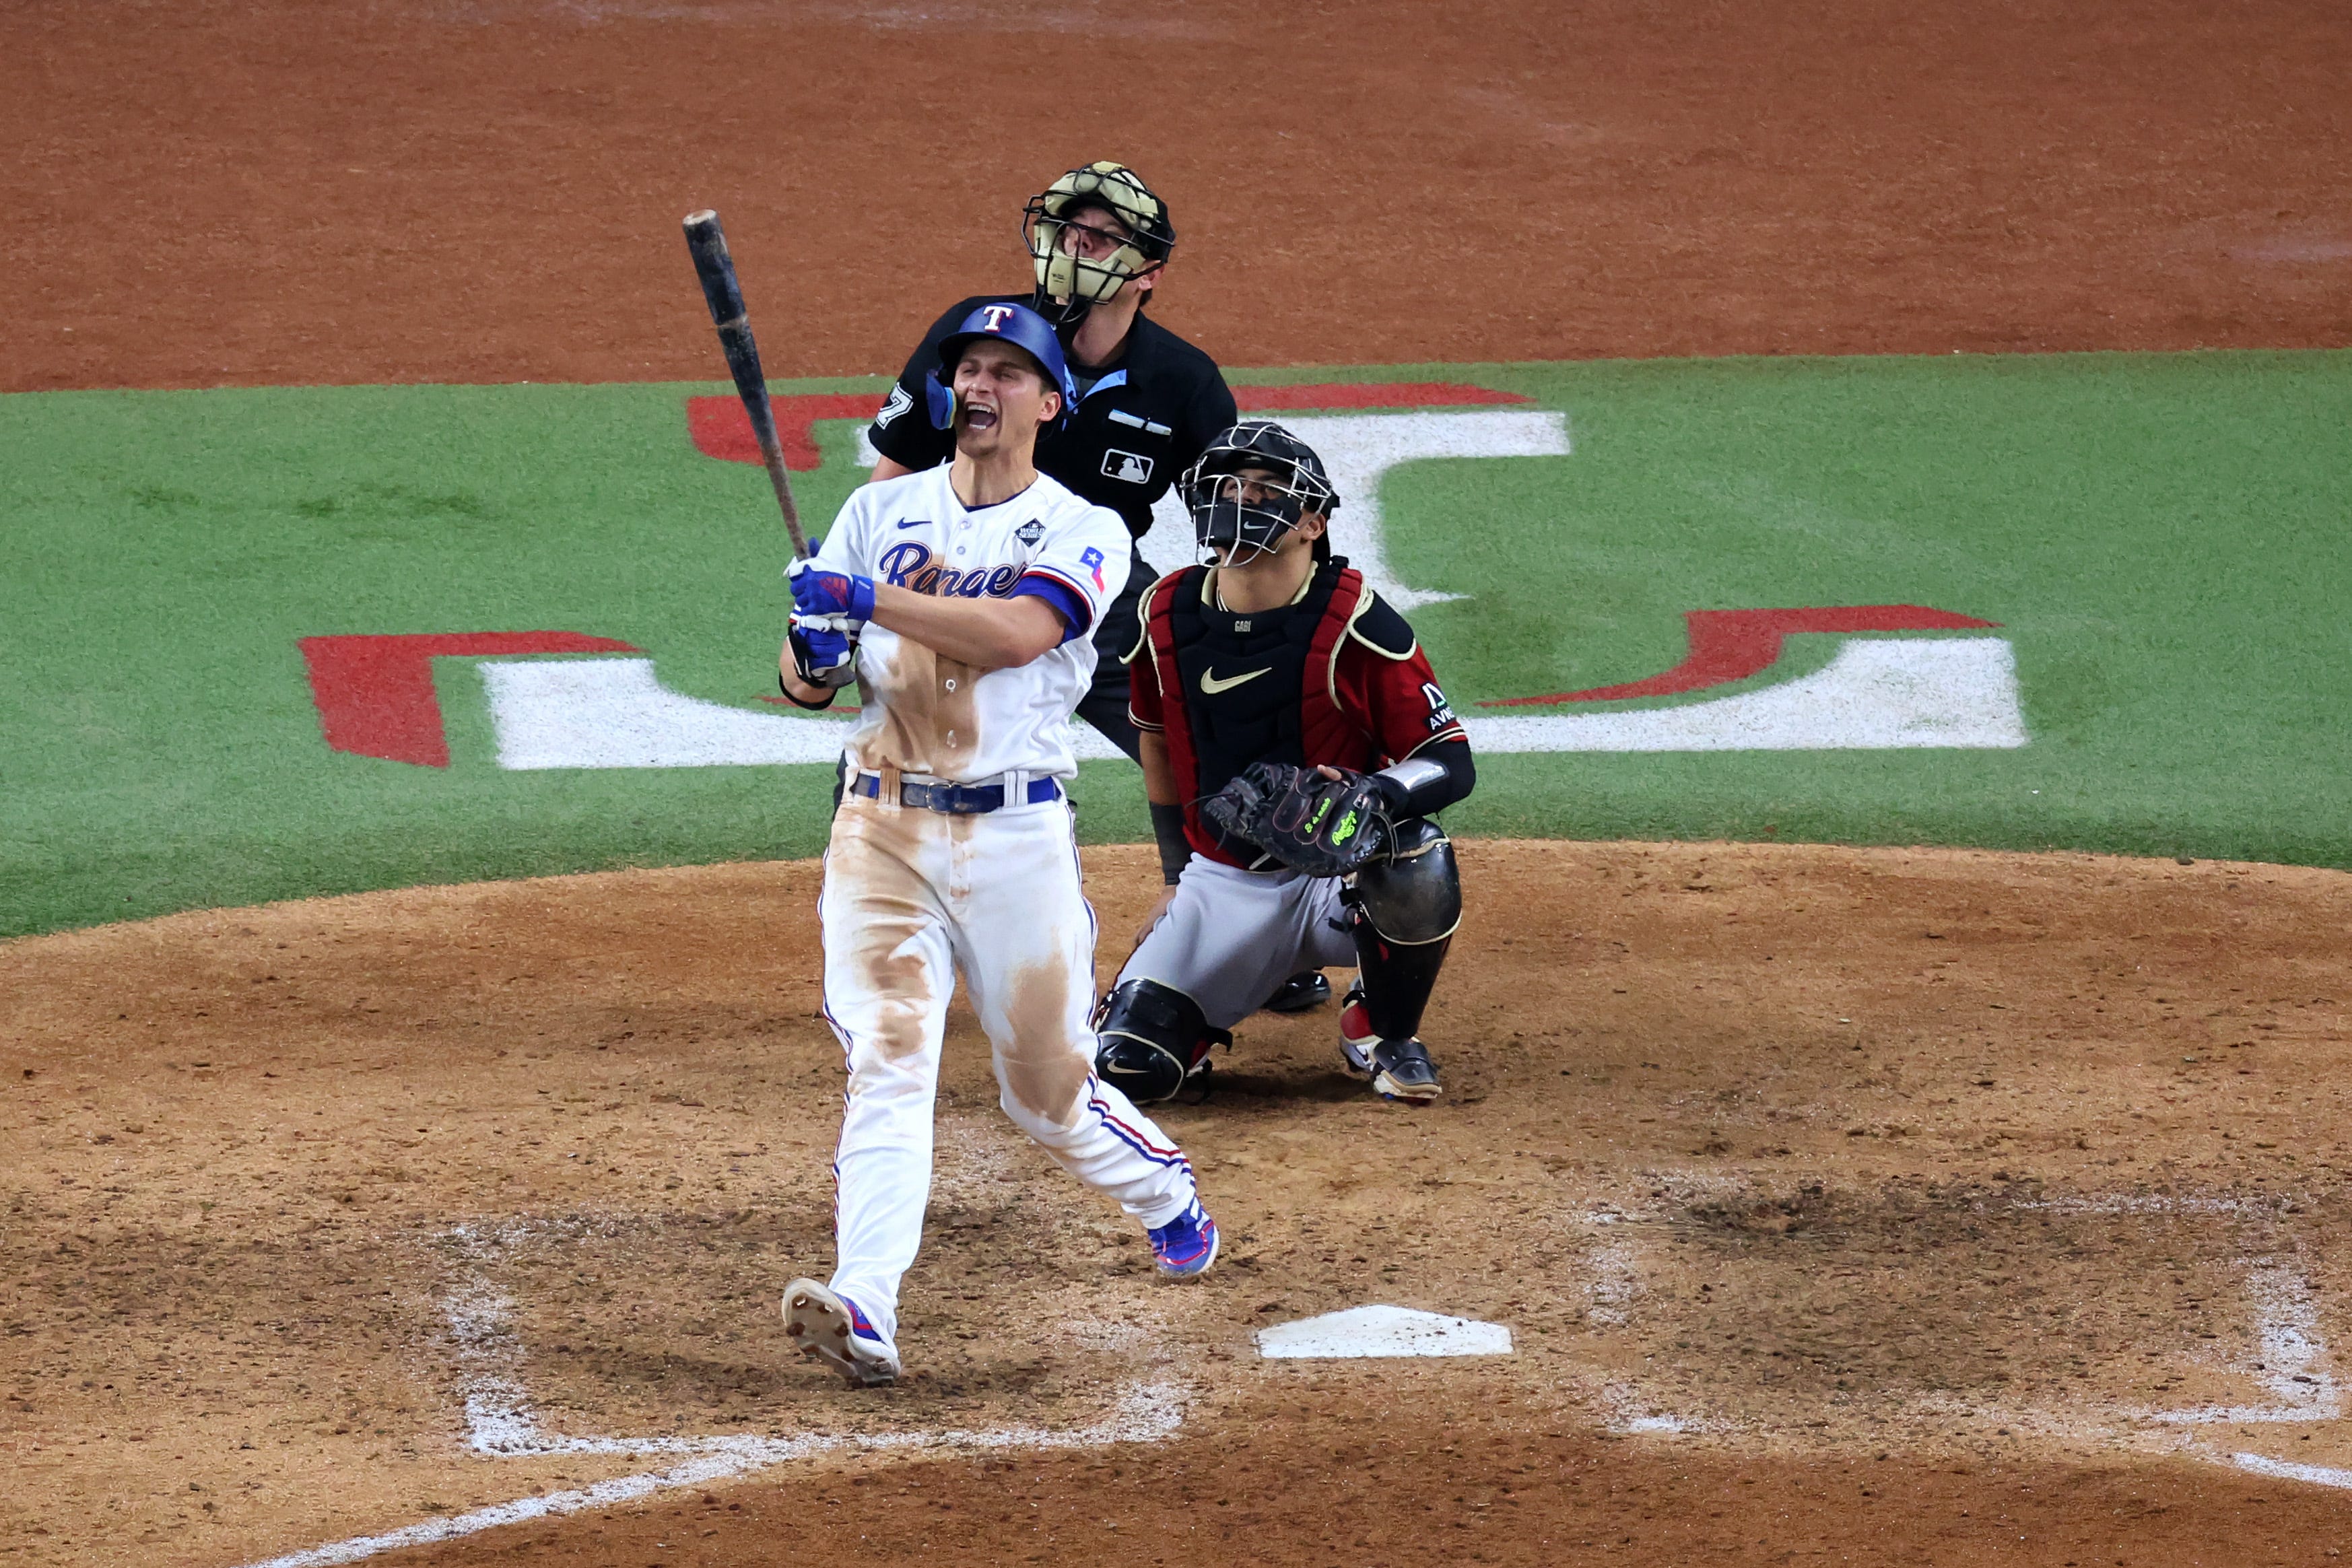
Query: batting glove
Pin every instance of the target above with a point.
(816, 592)
(825, 650)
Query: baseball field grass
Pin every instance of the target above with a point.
(2161, 539)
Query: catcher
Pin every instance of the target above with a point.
(1295, 744)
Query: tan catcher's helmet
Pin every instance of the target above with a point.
(1067, 284)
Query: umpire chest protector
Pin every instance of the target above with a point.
(1254, 687)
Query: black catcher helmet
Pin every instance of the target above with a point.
(1247, 516)
(1069, 284)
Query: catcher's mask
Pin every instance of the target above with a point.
(1246, 515)
(1069, 284)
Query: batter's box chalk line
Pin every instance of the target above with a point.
(2292, 1369)
(501, 1424)
(2290, 1358)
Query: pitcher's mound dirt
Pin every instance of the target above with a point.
(1896, 1206)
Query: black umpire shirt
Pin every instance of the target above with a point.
(1145, 419)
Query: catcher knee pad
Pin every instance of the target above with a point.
(1415, 895)
(1149, 1038)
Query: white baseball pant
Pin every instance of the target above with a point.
(910, 896)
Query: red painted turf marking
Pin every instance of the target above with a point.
(375, 694)
(1729, 645)
(722, 429)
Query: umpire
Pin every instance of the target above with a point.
(1149, 401)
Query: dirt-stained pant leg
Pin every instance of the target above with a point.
(1025, 937)
(887, 977)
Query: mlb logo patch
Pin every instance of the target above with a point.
(1127, 465)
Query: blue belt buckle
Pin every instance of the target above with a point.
(964, 800)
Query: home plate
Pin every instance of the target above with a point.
(1382, 1331)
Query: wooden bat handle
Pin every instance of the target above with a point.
(707, 242)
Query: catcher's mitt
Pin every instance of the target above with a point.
(1322, 826)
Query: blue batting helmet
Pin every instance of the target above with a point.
(1025, 330)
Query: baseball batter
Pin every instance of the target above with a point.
(1148, 405)
(1295, 745)
(960, 597)
(1146, 402)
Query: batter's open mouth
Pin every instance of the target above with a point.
(976, 417)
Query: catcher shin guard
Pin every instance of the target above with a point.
(1407, 908)
(1150, 1039)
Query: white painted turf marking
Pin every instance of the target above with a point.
(500, 1424)
(1875, 695)
(1363, 1332)
(1879, 693)
(1358, 450)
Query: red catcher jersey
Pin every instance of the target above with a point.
(1335, 678)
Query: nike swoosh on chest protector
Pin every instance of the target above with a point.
(1211, 685)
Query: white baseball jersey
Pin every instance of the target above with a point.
(934, 717)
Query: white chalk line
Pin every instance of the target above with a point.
(2293, 1357)
(501, 1424)
(2317, 1475)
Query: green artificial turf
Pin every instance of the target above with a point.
(2163, 538)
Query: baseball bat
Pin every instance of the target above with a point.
(708, 244)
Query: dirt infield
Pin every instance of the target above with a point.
(1902, 1207)
(227, 191)
(1874, 1207)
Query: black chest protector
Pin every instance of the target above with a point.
(1243, 678)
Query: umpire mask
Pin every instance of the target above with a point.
(1251, 487)
(1070, 282)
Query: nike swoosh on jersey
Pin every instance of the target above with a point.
(1211, 685)
(915, 523)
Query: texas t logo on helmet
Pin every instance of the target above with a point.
(1015, 324)
(1251, 487)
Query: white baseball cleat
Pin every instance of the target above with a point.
(829, 1326)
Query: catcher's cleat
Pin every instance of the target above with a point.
(1185, 1247)
(829, 1326)
(1303, 992)
(1401, 1070)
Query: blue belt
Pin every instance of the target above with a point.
(956, 799)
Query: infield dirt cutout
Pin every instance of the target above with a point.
(1919, 1205)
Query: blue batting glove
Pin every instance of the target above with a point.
(816, 592)
(825, 650)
